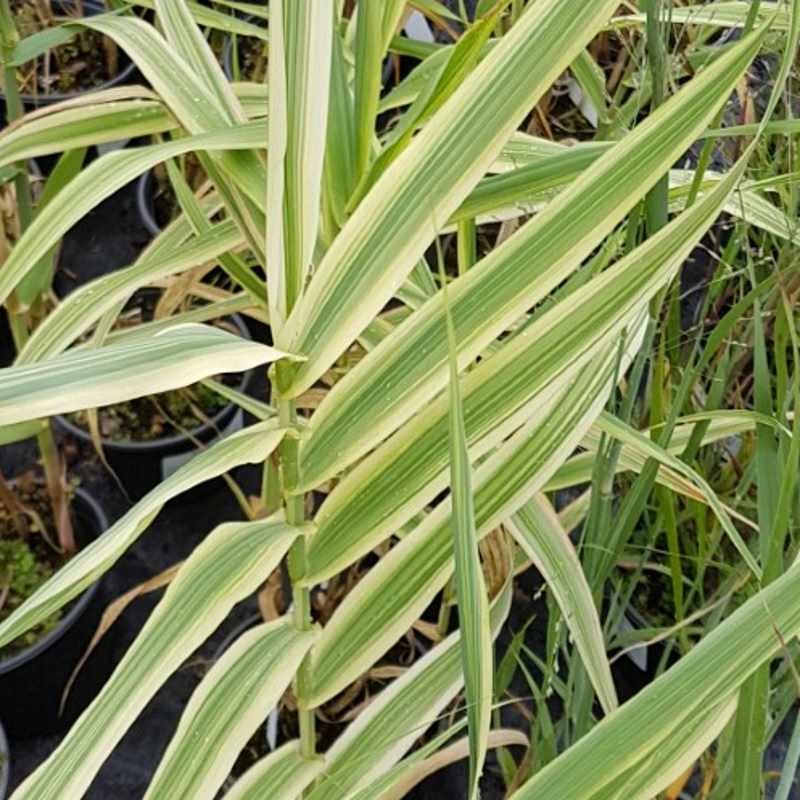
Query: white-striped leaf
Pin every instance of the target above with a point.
(397, 220)
(104, 116)
(210, 17)
(401, 475)
(725, 14)
(183, 34)
(409, 368)
(398, 589)
(521, 466)
(299, 79)
(231, 702)
(473, 606)
(101, 179)
(184, 90)
(388, 727)
(73, 125)
(89, 378)
(716, 667)
(227, 567)
(249, 446)
(283, 775)
(673, 756)
(81, 309)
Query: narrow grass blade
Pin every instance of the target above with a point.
(752, 717)
(537, 530)
(790, 765)
(473, 606)
(643, 444)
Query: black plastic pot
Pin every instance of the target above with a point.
(5, 761)
(91, 8)
(7, 351)
(107, 238)
(32, 681)
(141, 466)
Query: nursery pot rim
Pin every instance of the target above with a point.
(155, 445)
(232, 637)
(91, 8)
(79, 606)
(146, 204)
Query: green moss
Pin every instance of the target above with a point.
(21, 574)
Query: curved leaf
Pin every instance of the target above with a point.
(226, 708)
(249, 446)
(228, 566)
(283, 775)
(89, 378)
(537, 530)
